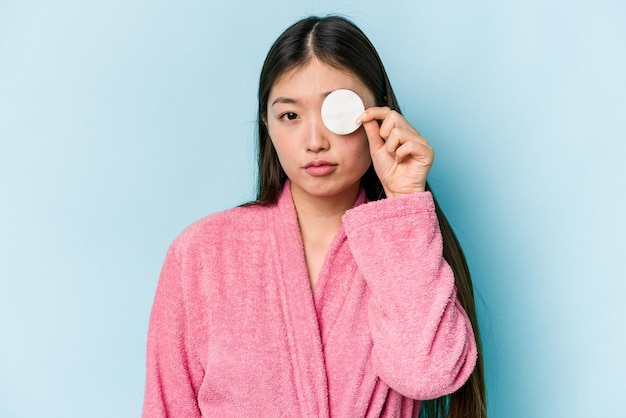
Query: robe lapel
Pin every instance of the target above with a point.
(298, 309)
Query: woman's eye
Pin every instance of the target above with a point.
(289, 116)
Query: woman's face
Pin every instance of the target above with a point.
(317, 161)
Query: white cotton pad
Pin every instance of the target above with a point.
(340, 110)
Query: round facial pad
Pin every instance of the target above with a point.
(340, 110)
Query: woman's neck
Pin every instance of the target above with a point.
(319, 219)
(320, 211)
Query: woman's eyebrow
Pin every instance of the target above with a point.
(287, 100)
(290, 100)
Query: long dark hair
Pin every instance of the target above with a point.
(338, 42)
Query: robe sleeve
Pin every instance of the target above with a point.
(424, 346)
(173, 372)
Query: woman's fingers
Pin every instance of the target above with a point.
(421, 152)
(373, 135)
(374, 113)
(394, 121)
(393, 132)
(390, 120)
(402, 157)
(403, 142)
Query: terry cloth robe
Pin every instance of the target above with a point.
(236, 330)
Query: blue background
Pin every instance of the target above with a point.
(121, 122)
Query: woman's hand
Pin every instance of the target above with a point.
(401, 157)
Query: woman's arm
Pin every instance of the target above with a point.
(173, 372)
(424, 345)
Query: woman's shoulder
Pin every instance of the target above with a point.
(239, 223)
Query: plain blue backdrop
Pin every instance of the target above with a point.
(121, 122)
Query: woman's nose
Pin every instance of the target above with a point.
(318, 135)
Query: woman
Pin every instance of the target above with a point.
(335, 292)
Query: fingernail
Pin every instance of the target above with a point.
(359, 120)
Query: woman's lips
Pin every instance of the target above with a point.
(320, 168)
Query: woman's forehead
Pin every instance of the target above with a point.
(315, 79)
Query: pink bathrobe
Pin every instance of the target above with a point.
(236, 331)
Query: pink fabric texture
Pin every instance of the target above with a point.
(236, 331)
